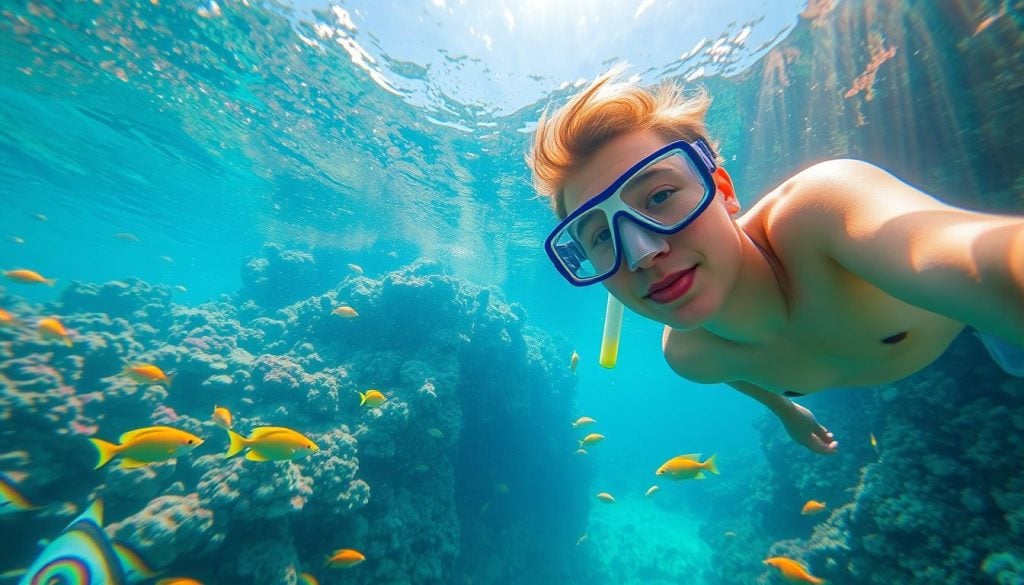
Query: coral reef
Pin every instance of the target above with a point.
(400, 482)
(940, 502)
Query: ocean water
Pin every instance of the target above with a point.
(208, 181)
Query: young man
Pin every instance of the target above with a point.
(842, 276)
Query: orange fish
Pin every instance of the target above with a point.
(7, 319)
(792, 571)
(344, 558)
(147, 374)
(308, 579)
(812, 507)
(28, 277)
(179, 581)
(222, 417)
(346, 312)
(687, 467)
(52, 328)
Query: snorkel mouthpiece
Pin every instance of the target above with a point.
(639, 244)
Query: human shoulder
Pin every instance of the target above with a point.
(693, 355)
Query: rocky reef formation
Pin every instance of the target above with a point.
(455, 467)
(941, 500)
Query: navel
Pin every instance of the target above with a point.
(895, 338)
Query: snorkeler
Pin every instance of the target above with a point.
(841, 276)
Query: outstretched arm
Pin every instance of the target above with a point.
(965, 265)
(798, 421)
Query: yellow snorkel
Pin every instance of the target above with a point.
(612, 331)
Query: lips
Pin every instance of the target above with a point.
(672, 287)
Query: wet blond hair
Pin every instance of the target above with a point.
(566, 139)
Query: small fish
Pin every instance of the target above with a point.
(180, 288)
(146, 445)
(41, 217)
(581, 451)
(126, 237)
(874, 442)
(166, 259)
(178, 581)
(687, 467)
(651, 490)
(307, 579)
(16, 240)
(222, 417)
(436, 433)
(792, 571)
(606, 497)
(991, 18)
(11, 500)
(28, 277)
(343, 558)
(272, 444)
(372, 398)
(582, 422)
(574, 361)
(583, 538)
(52, 328)
(144, 373)
(501, 488)
(345, 311)
(8, 320)
(729, 534)
(355, 268)
(591, 439)
(812, 507)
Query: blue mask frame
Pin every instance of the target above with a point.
(568, 257)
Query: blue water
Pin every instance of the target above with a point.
(170, 142)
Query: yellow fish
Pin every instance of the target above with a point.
(372, 398)
(178, 581)
(812, 507)
(147, 374)
(146, 445)
(574, 361)
(272, 444)
(591, 439)
(11, 500)
(874, 442)
(28, 277)
(650, 491)
(7, 319)
(792, 571)
(583, 421)
(606, 498)
(307, 579)
(355, 268)
(687, 467)
(344, 558)
(52, 328)
(346, 312)
(16, 240)
(222, 417)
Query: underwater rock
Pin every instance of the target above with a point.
(167, 529)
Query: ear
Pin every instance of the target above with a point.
(723, 184)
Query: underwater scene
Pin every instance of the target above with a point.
(276, 310)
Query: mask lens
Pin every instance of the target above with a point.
(586, 246)
(666, 191)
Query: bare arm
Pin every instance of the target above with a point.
(965, 265)
(798, 421)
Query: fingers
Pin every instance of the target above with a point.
(827, 447)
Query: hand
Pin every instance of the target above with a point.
(805, 429)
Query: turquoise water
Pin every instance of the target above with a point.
(199, 176)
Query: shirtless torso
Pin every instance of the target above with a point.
(840, 331)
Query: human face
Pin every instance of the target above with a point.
(686, 275)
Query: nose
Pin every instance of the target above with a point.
(639, 245)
